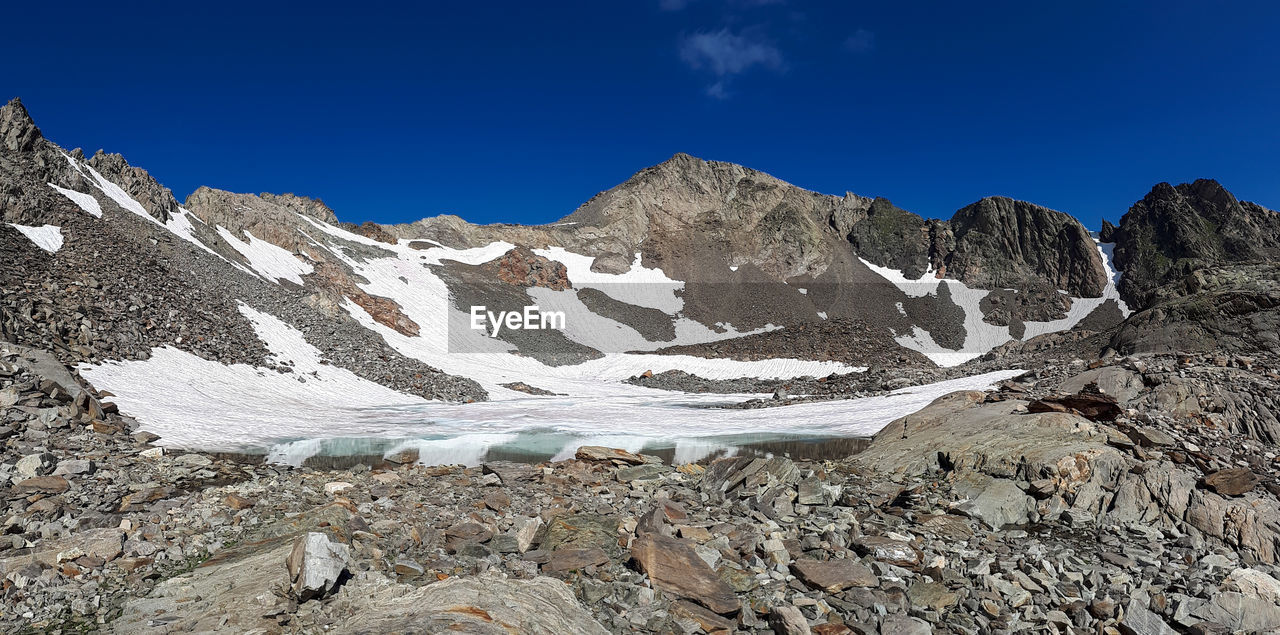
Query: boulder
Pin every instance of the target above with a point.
(316, 565)
(788, 620)
(601, 453)
(583, 531)
(675, 568)
(1235, 481)
(995, 501)
(835, 575)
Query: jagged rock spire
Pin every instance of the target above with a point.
(18, 133)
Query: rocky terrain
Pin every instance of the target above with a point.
(1126, 479)
(986, 512)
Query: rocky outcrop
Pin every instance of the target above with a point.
(1002, 243)
(1232, 309)
(1175, 230)
(521, 267)
(157, 199)
(18, 133)
(337, 283)
(269, 217)
(370, 229)
(311, 207)
(483, 605)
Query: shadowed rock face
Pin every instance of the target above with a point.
(999, 241)
(1225, 308)
(1174, 230)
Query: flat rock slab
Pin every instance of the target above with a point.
(583, 531)
(601, 453)
(1234, 481)
(1091, 407)
(644, 472)
(565, 560)
(675, 568)
(486, 605)
(42, 485)
(889, 551)
(99, 543)
(226, 596)
(834, 576)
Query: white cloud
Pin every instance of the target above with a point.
(726, 53)
(861, 41)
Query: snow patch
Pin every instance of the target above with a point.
(86, 202)
(46, 237)
(273, 262)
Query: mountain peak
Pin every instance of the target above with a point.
(18, 133)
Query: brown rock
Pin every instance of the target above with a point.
(674, 567)
(135, 501)
(1091, 406)
(469, 531)
(830, 628)
(833, 576)
(564, 560)
(129, 565)
(710, 622)
(601, 453)
(497, 501)
(1234, 481)
(520, 266)
(42, 485)
(237, 502)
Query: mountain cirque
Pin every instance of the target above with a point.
(1127, 482)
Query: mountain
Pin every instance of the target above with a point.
(722, 250)
(1175, 230)
(765, 410)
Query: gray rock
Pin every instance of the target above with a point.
(904, 625)
(316, 565)
(788, 620)
(1139, 620)
(34, 465)
(73, 467)
(486, 605)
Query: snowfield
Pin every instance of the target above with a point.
(319, 408)
(46, 237)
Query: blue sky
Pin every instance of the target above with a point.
(521, 111)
